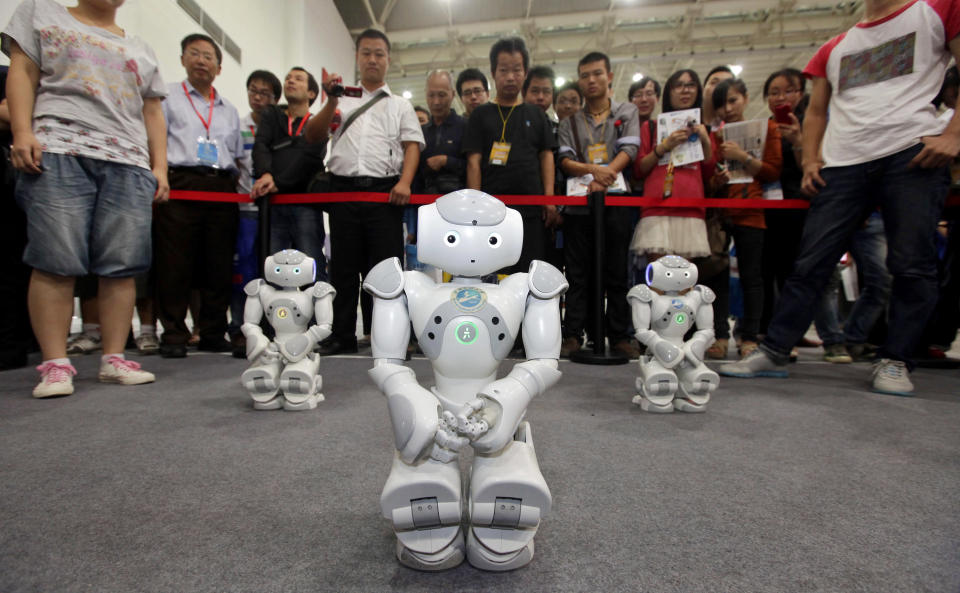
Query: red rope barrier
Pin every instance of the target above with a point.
(510, 200)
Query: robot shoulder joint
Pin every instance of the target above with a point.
(640, 292)
(545, 281)
(253, 287)
(322, 289)
(385, 280)
(706, 294)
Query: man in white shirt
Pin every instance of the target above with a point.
(376, 151)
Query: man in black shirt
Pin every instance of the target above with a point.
(442, 167)
(283, 161)
(509, 147)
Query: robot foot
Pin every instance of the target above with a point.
(484, 558)
(273, 404)
(654, 408)
(445, 559)
(301, 404)
(685, 405)
(261, 382)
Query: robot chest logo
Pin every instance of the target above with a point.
(282, 313)
(676, 304)
(680, 318)
(469, 300)
(467, 333)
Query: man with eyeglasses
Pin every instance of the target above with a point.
(472, 89)
(194, 241)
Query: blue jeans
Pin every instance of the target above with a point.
(911, 201)
(300, 227)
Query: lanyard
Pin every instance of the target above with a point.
(503, 133)
(592, 122)
(299, 128)
(253, 131)
(206, 123)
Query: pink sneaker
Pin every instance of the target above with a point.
(123, 371)
(55, 379)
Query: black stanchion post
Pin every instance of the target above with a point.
(263, 229)
(599, 354)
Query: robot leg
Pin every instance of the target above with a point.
(696, 385)
(422, 500)
(300, 384)
(656, 386)
(508, 495)
(262, 381)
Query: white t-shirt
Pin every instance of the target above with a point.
(883, 76)
(372, 146)
(248, 131)
(92, 84)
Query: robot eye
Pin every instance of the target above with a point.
(495, 240)
(686, 274)
(452, 238)
(296, 270)
(277, 269)
(668, 274)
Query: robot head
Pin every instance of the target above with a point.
(290, 268)
(469, 233)
(671, 273)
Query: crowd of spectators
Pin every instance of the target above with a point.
(122, 146)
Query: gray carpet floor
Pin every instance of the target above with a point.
(804, 484)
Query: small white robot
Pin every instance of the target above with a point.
(466, 328)
(285, 372)
(664, 310)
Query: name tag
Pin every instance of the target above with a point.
(597, 154)
(499, 153)
(207, 152)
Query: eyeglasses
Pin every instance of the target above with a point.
(204, 55)
(649, 94)
(688, 86)
(779, 93)
(471, 92)
(268, 95)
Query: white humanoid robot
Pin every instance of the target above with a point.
(466, 328)
(664, 310)
(285, 372)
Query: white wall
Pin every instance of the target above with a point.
(273, 35)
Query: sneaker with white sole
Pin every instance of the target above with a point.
(755, 364)
(147, 344)
(83, 344)
(891, 377)
(55, 380)
(123, 371)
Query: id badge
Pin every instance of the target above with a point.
(499, 153)
(597, 154)
(207, 152)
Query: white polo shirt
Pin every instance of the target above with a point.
(372, 145)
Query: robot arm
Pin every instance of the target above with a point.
(704, 336)
(504, 401)
(641, 301)
(252, 313)
(323, 294)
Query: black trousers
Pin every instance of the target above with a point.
(16, 336)
(361, 236)
(534, 239)
(578, 246)
(193, 244)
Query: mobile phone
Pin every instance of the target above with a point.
(781, 113)
(338, 90)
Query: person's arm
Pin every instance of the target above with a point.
(473, 170)
(263, 155)
(650, 160)
(814, 126)
(157, 145)
(938, 151)
(400, 194)
(318, 127)
(4, 115)
(26, 154)
(772, 164)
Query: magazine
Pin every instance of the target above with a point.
(750, 136)
(670, 122)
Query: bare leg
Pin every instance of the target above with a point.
(145, 311)
(117, 296)
(90, 310)
(50, 299)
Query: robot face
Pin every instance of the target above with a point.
(290, 268)
(671, 273)
(469, 233)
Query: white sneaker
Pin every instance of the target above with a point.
(147, 344)
(754, 364)
(83, 344)
(55, 379)
(123, 371)
(891, 377)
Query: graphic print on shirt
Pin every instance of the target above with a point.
(877, 64)
(101, 68)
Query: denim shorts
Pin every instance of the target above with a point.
(87, 216)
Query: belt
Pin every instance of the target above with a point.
(365, 181)
(204, 171)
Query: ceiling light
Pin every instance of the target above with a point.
(638, 77)
(736, 69)
(407, 95)
(560, 81)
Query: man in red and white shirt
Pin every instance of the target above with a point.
(882, 147)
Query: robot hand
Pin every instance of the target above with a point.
(256, 341)
(467, 421)
(693, 351)
(447, 441)
(669, 355)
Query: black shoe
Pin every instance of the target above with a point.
(334, 346)
(239, 343)
(173, 350)
(220, 345)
